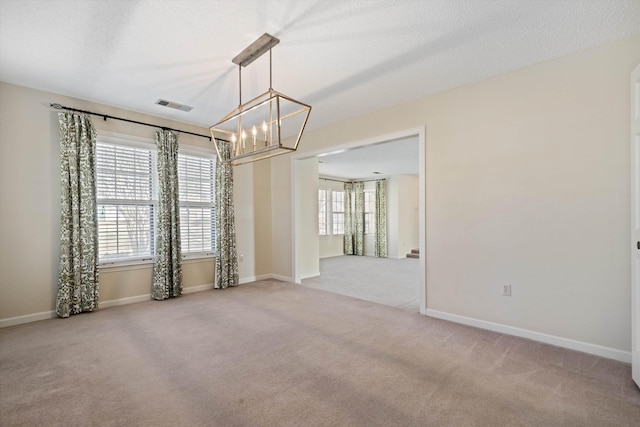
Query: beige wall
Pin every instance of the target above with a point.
(30, 206)
(252, 204)
(402, 215)
(306, 205)
(281, 217)
(331, 245)
(527, 183)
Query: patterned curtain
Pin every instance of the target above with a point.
(359, 218)
(348, 218)
(167, 267)
(381, 218)
(78, 288)
(226, 256)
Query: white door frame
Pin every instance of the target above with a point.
(420, 132)
(635, 225)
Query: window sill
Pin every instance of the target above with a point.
(189, 259)
(140, 264)
(109, 266)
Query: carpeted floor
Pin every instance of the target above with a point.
(278, 354)
(388, 281)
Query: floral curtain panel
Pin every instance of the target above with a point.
(78, 288)
(354, 218)
(358, 244)
(226, 255)
(348, 218)
(167, 266)
(381, 218)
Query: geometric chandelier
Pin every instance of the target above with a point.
(269, 125)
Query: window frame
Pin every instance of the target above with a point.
(143, 144)
(324, 215)
(108, 137)
(212, 155)
(369, 211)
(329, 211)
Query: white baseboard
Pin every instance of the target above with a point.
(260, 277)
(281, 278)
(597, 350)
(248, 279)
(147, 297)
(192, 289)
(27, 318)
(263, 277)
(123, 301)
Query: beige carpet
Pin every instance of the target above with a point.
(388, 281)
(273, 353)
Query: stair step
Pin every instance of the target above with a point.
(413, 255)
(415, 251)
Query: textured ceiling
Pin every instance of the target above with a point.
(345, 58)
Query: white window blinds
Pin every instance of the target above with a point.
(125, 194)
(338, 212)
(369, 211)
(323, 212)
(197, 195)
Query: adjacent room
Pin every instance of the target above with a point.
(320, 212)
(377, 258)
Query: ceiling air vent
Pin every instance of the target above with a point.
(173, 105)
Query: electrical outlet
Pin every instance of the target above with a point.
(241, 258)
(506, 290)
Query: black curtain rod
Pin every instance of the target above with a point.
(353, 182)
(106, 116)
(369, 180)
(334, 180)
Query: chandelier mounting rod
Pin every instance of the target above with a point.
(252, 52)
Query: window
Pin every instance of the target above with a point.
(126, 181)
(125, 184)
(369, 211)
(337, 211)
(197, 215)
(323, 208)
(330, 212)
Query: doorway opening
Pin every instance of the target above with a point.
(308, 261)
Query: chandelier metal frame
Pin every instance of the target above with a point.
(265, 139)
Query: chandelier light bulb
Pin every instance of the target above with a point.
(254, 132)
